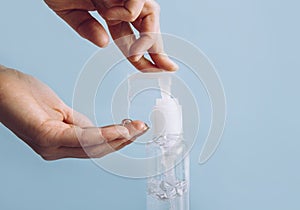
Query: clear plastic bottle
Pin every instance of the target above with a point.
(169, 189)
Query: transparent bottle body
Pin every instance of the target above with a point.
(169, 189)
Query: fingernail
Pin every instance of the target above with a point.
(126, 122)
(146, 127)
(136, 128)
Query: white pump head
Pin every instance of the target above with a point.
(167, 113)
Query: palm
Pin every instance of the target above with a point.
(36, 115)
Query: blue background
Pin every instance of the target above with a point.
(255, 47)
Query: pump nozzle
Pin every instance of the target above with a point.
(164, 83)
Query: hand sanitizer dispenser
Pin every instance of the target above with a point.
(169, 190)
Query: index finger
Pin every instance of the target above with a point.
(150, 39)
(124, 37)
(83, 137)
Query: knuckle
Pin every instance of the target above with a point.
(83, 139)
(101, 135)
(80, 134)
(132, 15)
